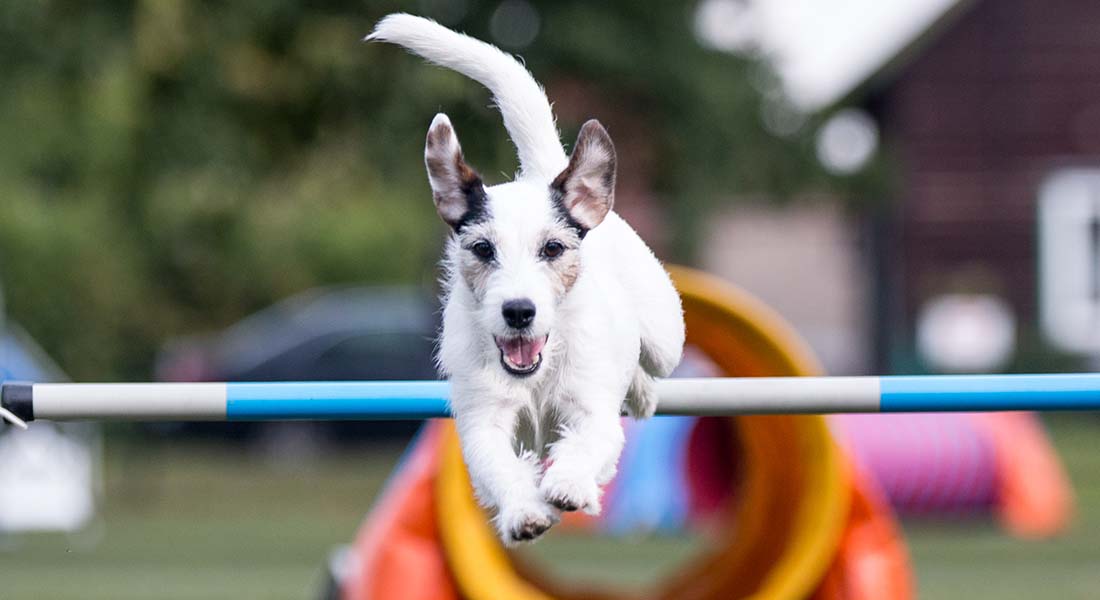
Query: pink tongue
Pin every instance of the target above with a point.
(523, 352)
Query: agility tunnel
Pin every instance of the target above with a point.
(676, 473)
(954, 466)
(804, 523)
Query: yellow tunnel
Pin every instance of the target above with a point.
(804, 526)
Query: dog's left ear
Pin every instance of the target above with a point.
(456, 188)
(586, 188)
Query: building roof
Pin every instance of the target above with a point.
(824, 51)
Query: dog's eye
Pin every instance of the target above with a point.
(482, 249)
(553, 249)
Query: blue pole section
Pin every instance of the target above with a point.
(337, 400)
(927, 393)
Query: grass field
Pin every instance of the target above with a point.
(976, 561)
(198, 522)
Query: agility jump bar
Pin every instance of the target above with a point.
(374, 400)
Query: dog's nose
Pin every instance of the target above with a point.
(518, 313)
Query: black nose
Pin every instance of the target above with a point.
(518, 313)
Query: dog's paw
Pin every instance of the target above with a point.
(525, 522)
(571, 493)
(641, 398)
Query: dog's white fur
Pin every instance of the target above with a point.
(545, 442)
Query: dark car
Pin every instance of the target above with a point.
(325, 334)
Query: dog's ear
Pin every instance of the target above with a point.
(586, 188)
(456, 188)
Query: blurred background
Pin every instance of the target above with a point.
(200, 191)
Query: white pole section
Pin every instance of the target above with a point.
(713, 396)
(130, 401)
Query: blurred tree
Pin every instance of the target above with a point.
(170, 166)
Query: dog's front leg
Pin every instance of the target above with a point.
(586, 455)
(503, 479)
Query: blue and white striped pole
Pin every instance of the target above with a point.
(369, 400)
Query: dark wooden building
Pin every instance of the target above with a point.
(978, 112)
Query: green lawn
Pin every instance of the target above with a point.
(198, 523)
(960, 561)
(195, 522)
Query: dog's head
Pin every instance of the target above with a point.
(517, 245)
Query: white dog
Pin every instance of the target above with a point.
(555, 310)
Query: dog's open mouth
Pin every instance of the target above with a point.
(520, 355)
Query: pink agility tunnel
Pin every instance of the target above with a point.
(959, 464)
(926, 464)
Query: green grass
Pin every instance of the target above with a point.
(193, 521)
(198, 523)
(979, 561)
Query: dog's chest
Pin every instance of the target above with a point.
(541, 426)
(549, 407)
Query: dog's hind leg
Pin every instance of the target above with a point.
(641, 398)
(662, 342)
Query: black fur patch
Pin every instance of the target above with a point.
(477, 204)
(557, 198)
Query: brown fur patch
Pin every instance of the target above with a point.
(569, 270)
(476, 274)
(473, 270)
(567, 267)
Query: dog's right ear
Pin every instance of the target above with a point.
(456, 188)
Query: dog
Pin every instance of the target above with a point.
(557, 318)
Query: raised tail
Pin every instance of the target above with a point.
(521, 100)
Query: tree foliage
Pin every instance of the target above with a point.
(170, 166)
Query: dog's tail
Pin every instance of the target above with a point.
(521, 100)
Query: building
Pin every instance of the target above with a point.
(983, 106)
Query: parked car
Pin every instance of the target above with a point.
(325, 334)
